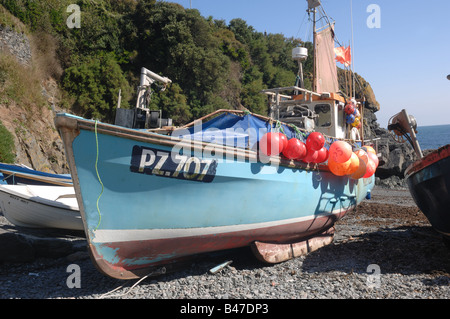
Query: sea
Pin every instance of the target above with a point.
(433, 137)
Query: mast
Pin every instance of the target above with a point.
(312, 5)
(314, 87)
(353, 51)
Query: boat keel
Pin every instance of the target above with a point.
(274, 253)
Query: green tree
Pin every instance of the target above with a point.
(181, 45)
(172, 102)
(212, 65)
(95, 85)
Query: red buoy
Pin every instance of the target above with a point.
(272, 143)
(295, 149)
(322, 155)
(315, 141)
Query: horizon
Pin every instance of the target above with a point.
(391, 42)
(433, 125)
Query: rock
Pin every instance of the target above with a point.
(51, 247)
(23, 247)
(79, 255)
(394, 157)
(15, 248)
(16, 44)
(38, 144)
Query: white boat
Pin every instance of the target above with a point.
(37, 206)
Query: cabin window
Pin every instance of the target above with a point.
(324, 115)
(341, 117)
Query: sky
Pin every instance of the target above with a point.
(404, 53)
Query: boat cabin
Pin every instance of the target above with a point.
(311, 111)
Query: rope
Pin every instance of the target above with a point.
(98, 176)
(280, 127)
(298, 133)
(12, 175)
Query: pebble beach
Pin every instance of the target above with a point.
(386, 249)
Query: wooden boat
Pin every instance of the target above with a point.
(150, 197)
(428, 178)
(18, 174)
(37, 206)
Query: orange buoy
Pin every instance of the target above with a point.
(340, 151)
(360, 171)
(370, 170)
(339, 169)
(369, 149)
(362, 155)
(374, 158)
(354, 164)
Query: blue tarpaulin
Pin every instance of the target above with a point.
(234, 130)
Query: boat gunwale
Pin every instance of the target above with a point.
(33, 198)
(428, 160)
(195, 145)
(60, 181)
(148, 136)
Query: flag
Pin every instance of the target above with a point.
(343, 55)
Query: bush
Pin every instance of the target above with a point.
(7, 147)
(95, 85)
(19, 84)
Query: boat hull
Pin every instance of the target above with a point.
(429, 183)
(40, 206)
(141, 210)
(14, 174)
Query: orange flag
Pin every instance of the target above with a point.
(343, 55)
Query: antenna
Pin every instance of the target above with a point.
(300, 54)
(353, 50)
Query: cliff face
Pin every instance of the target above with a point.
(37, 142)
(394, 157)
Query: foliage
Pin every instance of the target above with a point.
(95, 84)
(212, 65)
(19, 84)
(7, 147)
(173, 104)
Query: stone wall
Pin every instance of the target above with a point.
(16, 44)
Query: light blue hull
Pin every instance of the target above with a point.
(142, 208)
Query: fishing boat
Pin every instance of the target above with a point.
(37, 206)
(150, 197)
(14, 174)
(428, 178)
